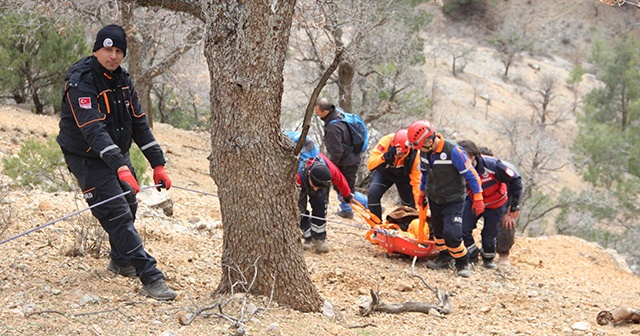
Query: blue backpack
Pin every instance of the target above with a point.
(357, 129)
(309, 150)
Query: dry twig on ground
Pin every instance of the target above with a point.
(443, 307)
(186, 317)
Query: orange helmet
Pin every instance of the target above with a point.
(400, 141)
(419, 131)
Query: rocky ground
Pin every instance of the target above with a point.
(555, 285)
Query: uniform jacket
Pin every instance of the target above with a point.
(101, 116)
(408, 165)
(500, 183)
(337, 178)
(337, 141)
(444, 172)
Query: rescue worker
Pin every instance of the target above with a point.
(445, 168)
(393, 162)
(100, 117)
(315, 176)
(501, 190)
(507, 229)
(337, 141)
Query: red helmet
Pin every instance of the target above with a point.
(400, 141)
(418, 132)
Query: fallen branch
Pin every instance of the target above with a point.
(42, 312)
(619, 314)
(443, 307)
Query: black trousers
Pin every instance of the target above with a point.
(492, 223)
(98, 182)
(314, 228)
(381, 181)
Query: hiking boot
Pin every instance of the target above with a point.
(322, 246)
(474, 259)
(440, 263)
(344, 214)
(489, 263)
(159, 291)
(308, 244)
(464, 270)
(126, 271)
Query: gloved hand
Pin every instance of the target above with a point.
(348, 199)
(478, 204)
(125, 176)
(160, 176)
(389, 156)
(422, 199)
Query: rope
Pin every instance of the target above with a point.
(195, 191)
(303, 215)
(142, 188)
(72, 214)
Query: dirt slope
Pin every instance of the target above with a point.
(555, 286)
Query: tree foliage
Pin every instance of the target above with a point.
(606, 149)
(35, 52)
(379, 75)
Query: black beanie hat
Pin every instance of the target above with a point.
(111, 36)
(320, 174)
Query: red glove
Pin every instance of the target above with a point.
(124, 175)
(478, 204)
(160, 176)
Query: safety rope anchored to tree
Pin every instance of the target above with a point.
(127, 192)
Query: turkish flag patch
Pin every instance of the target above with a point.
(84, 102)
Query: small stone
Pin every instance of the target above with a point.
(581, 326)
(273, 329)
(327, 310)
(88, 299)
(251, 308)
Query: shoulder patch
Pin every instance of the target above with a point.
(84, 103)
(509, 172)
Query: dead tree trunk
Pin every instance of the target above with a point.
(618, 315)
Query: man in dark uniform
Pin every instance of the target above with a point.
(445, 168)
(100, 117)
(337, 141)
(501, 190)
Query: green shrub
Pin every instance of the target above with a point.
(140, 166)
(38, 164)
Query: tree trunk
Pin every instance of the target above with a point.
(250, 162)
(135, 60)
(143, 87)
(39, 107)
(345, 83)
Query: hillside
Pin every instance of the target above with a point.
(556, 285)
